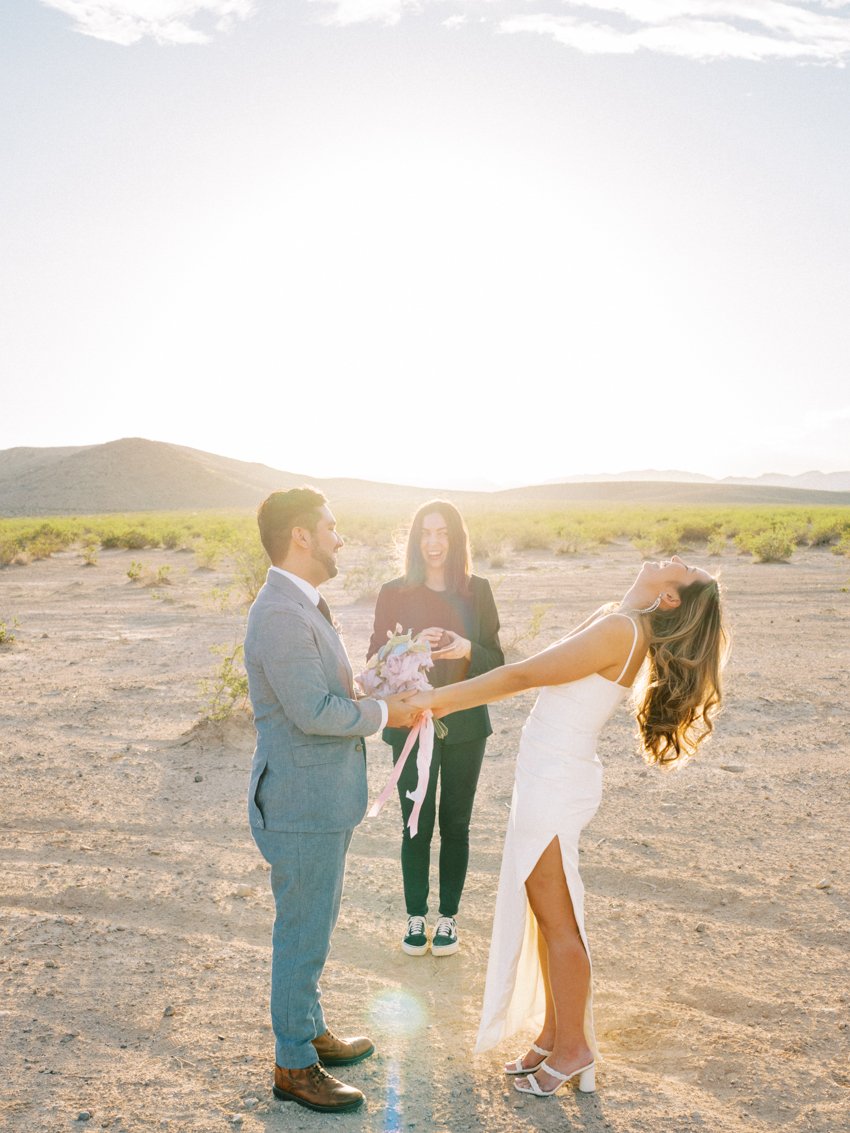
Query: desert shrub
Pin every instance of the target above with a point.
(366, 578)
(644, 545)
(488, 549)
(775, 546)
(692, 532)
(385, 527)
(7, 631)
(516, 641)
(171, 538)
(150, 576)
(90, 550)
(10, 548)
(251, 565)
(128, 540)
(134, 540)
(533, 538)
(596, 530)
(486, 534)
(221, 598)
(42, 548)
(226, 691)
(207, 555)
(842, 547)
(668, 539)
(44, 540)
(51, 537)
(716, 544)
(824, 532)
(572, 540)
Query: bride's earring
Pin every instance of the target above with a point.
(651, 609)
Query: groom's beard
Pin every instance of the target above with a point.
(327, 560)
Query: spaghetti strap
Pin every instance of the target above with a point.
(625, 667)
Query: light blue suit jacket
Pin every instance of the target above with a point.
(309, 768)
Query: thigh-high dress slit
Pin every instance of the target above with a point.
(557, 790)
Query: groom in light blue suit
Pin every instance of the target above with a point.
(308, 784)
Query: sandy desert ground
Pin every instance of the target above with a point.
(136, 915)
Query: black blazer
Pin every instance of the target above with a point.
(473, 615)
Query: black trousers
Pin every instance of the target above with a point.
(457, 767)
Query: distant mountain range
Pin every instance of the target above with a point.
(140, 475)
(807, 481)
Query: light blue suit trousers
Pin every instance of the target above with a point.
(306, 877)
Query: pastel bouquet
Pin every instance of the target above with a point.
(401, 666)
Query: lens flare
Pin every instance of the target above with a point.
(393, 1109)
(397, 1013)
(398, 1016)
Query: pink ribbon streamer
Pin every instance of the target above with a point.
(423, 730)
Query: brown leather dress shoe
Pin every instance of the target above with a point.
(342, 1052)
(314, 1088)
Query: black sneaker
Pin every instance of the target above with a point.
(415, 941)
(445, 941)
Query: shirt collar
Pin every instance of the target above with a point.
(302, 584)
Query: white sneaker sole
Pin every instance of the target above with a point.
(445, 949)
(414, 949)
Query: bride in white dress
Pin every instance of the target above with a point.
(539, 967)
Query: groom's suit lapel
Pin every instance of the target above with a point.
(294, 593)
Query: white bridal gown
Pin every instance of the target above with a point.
(557, 790)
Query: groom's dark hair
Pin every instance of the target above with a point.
(281, 511)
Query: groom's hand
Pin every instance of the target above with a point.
(401, 714)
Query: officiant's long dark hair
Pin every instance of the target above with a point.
(458, 560)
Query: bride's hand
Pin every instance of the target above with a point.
(422, 701)
(428, 701)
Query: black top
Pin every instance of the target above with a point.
(472, 615)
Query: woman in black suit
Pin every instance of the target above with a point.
(444, 603)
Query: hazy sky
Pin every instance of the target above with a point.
(438, 241)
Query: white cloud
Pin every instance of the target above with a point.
(698, 29)
(755, 30)
(345, 12)
(167, 21)
(805, 30)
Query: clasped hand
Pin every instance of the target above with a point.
(401, 712)
(405, 708)
(424, 701)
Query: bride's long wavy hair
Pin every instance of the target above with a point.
(680, 691)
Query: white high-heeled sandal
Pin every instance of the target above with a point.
(586, 1080)
(516, 1067)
